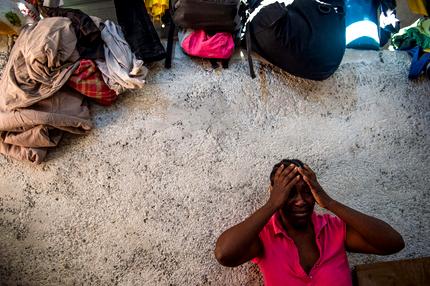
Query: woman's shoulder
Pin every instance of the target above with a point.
(327, 219)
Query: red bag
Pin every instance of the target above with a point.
(198, 43)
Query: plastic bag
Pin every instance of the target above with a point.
(16, 14)
(199, 44)
(11, 18)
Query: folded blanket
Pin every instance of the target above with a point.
(26, 134)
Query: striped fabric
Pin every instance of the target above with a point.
(88, 80)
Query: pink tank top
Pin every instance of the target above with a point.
(280, 263)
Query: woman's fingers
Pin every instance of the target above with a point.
(290, 176)
(302, 172)
(308, 181)
(305, 173)
(279, 171)
(285, 174)
(286, 170)
(292, 182)
(307, 168)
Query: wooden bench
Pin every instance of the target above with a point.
(411, 272)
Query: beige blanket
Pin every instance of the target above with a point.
(42, 60)
(35, 108)
(26, 134)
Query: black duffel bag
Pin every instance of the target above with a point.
(306, 38)
(209, 15)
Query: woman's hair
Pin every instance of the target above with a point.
(286, 163)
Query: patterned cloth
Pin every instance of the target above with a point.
(88, 80)
(417, 34)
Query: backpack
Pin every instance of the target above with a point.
(212, 16)
(208, 15)
(306, 38)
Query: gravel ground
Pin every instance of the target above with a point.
(142, 199)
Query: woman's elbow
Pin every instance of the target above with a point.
(396, 245)
(399, 244)
(223, 258)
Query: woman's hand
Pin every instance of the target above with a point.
(283, 181)
(241, 242)
(364, 234)
(320, 196)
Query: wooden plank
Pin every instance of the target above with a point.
(413, 272)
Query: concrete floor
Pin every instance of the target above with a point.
(142, 199)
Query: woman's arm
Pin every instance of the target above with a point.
(241, 243)
(364, 233)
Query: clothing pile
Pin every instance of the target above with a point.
(56, 65)
(416, 40)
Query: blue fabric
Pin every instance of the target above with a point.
(420, 62)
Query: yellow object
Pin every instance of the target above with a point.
(6, 29)
(157, 8)
(418, 7)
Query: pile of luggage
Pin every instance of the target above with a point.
(86, 57)
(306, 38)
(61, 59)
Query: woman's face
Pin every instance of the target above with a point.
(300, 205)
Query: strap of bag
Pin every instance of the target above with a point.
(224, 63)
(171, 35)
(215, 65)
(248, 50)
